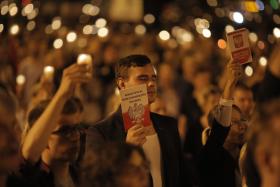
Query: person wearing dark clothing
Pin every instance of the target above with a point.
(217, 167)
(35, 175)
(112, 130)
(267, 96)
(52, 136)
(160, 141)
(218, 160)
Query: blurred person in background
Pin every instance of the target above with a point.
(211, 96)
(263, 147)
(167, 89)
(192, 108)
(32, 68)
(105, 72)
(158, 106)
(219, 156)
(116, 164)
(262, 162)
(9, 135)
(256, 166)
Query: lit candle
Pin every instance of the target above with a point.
(20, 79)
(49, 72)
(86, 59)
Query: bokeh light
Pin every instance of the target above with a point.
(276, 32)
(164, 35)
(222, 44)
(71, 36)
(206, 33)
(249, 71)
(58, 43)
(56, 23)
(13, 10)
(28, 9)
(88, 29)
(103, 32)
(4, 10)
(263, 61)
(20, 79)
(48, 29)
(90, 10)
(1, 28)
(253, 37)
(229, 29)
(14, 29)
(212, 3)
(31, 25)
(101, 22)
(140, 29)
(237, 17)
(149, 18)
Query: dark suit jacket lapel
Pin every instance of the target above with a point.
(119, 130)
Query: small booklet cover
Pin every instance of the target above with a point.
(135, 106)
(238, 42)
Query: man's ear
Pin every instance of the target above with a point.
(121, 83)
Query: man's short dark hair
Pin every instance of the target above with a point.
(72, 106)
(122, 66)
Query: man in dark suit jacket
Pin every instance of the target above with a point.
(160, 141)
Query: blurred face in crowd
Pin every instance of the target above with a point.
(9, 149)
(188, 68)
(244, 100)
(237, 129)
(110, 54)
(166, 76)
(64, 143)
(135, 172)
(142, 75)
(210, 101)
(267, 153)
(202, 80)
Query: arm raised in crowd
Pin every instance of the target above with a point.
(37, 138)
(233, 74)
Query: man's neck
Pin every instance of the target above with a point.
(3, 180)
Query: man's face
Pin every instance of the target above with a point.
(237, 129)
(64, 143)
(142, 75)
(244, 100)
